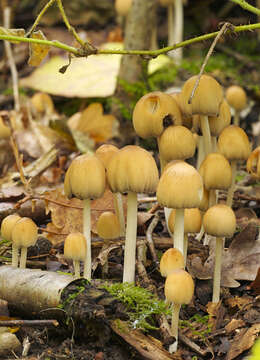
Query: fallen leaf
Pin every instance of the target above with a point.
(255, 285)
(37, 51)
(234, 324)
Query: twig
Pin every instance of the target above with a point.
(149, 238)
(193, 345)
(247, 6)
(220, 33)
(31, 323)
(40, 15)
(9, 54)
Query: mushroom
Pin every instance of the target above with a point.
(253, 163)
(180, 187)
(7, 226)
(85, 179)
(75, 249)
(24, 234)
(108, 228)
(172, 259)
(179, 289)
(237, 99)
(233, 143)
(132, 170)
(220, 221)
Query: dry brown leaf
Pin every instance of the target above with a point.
(238, 302)
(37, 51)
(255, 285)
(234, 324)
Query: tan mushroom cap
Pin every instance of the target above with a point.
(180, 186)
(220, 122)
(236, 97)
(216, 172)
(85, 178)
(179, 287)
(207, 97)
(204, 204)
(75, 247)
(176, 143)
(132, 169)
(108, 226)
(105, 152)
(186, 120)
(123, 6)
(7, 226)
(192, 221)
(24, 233)
(5, 131)
(172, 259)
(233, 143)
(153, 112)
(253, 163)
(42, 103)
(219, 220)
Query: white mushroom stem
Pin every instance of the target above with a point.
(217, 270)
(171, 37)
(185, 248)
(214, 144)
(130, 238)
(87, 234)
(76, 265)
(174, 326)
(204, 124)
(177, 30)
(119, 209)
(231, 190)
(15, 255)
(236, 120)
(178, 235)
(23, 257)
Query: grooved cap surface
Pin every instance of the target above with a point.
(219, 220)
(108, 226)
(236, 97)
(179, 287)
(172, 259)
(24, 233)
(233, 143)
(75, 247)
(7, 226)
(192, 221)
(106, 152)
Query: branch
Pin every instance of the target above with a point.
(247, 6)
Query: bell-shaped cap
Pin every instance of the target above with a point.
(233, 143)
(105, 152)
(132, 169)
(236, 97)
(154, 112)
(123, 6)
(172, 259)
(7, 226)
(220, 122)
(75, 247)
(216, 172)
(253, 163)
(186, 120)
(220, 221)
(108, 226)
(180, 186)
(85, 178)
(24, 233)
(179, 287)
(192, 221)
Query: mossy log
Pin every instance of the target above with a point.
(87, 307)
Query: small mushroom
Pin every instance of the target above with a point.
(172, 259)
(6, 231)
(237, 99)
(75, 249)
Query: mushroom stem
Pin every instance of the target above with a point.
(206, 134)
(185, 248)
(178, 235)
(174, 326)
(87, 234)
(217, 269)
(15, 255)
(236, 120)
(178, 30)
(23, 257)
(200, 154)
(119, 209)
(130, 238)
(171, 37)
(231, 190)
(76, 265)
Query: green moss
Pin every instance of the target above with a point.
(80, 288)
(195, 322)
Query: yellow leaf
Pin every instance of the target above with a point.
(12, 32)
(37, 51)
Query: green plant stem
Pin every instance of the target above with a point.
(247, 6)
(87, 234)
(40, 15)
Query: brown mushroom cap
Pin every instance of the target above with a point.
(216, 172)
(123, 6)
(236, 97)
(153, 112)
(105, 152)
(192, 221)
(207, 97)
(24, 233)
(75, 247)
(132, 169)
(108, 226)
(179, 287)
(85, 178)
(172, 259)
(176, 143)
(186, 120)
(7, 226)
(219, 220)
(180, 186)
(233, 143)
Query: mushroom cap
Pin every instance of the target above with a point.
(170, 146)
(216, 172)
(7, 226)
(123, 6)
(165, 3)
(186, 120)
(42, 103)
(24, 232)
(180, 186)
(207, 97)
(85, 178)
(75, 247)
(219, 220)
(253, 163)
(172, 259)
(153, 112)
(5, 131)
(233, 143)
(179, 287)
(108, 226)
(218, 123)
(192, 221)
(204, 204)
(132, 169)
(105, 152)
(236, 97)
